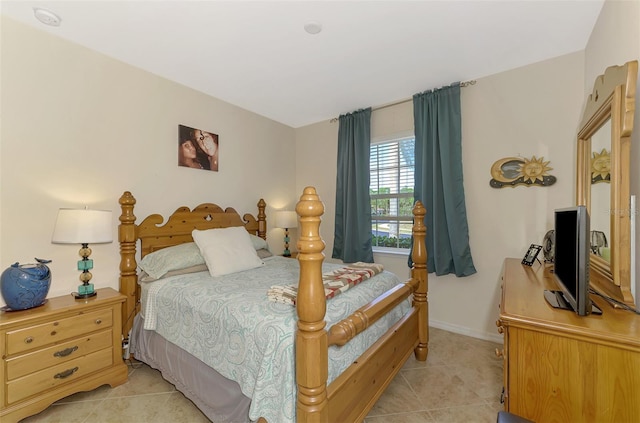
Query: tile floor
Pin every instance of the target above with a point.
(461, 381)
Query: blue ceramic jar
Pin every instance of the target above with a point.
(25, 286)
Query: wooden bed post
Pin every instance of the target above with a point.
(419, 273)
(312, 354)
(262, 219)
(128, 275)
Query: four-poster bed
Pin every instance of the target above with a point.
(392, 324)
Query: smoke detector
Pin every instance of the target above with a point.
(313, 27)
(47, 17)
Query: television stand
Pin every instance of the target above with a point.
(559, 366)
(556, 299)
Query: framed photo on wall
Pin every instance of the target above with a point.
(197, 148)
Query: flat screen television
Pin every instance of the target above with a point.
(572, 248)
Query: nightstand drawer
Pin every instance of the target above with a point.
(50, 378)
(57, 354)
(57, 331)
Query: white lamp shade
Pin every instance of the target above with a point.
(286, 219)
(82, 226)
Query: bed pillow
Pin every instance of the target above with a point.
(259, 243)
(227, 250)
(145, 277)
(263, 253)
(158, 263)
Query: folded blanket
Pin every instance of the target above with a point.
(334, 282)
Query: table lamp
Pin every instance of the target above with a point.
(83, 226)
(286, 220)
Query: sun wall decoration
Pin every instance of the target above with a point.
(514, 171)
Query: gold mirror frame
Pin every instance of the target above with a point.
(613, 99)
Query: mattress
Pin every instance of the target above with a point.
(229, 324)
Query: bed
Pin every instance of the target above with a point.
(324, 360)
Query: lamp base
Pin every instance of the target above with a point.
(85, 291)
(79, 296)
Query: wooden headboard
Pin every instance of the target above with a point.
(153, 236)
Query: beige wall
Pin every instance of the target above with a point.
(528, 111)
(615, 40)
(79, 128)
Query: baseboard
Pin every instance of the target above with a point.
(462, 330)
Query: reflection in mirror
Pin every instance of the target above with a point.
(600, 191)
(601, 154)
(601, 167)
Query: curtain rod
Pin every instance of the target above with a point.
(462, 84)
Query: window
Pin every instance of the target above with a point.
(391, 165)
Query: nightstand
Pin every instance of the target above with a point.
(293, 255)
(60, 348)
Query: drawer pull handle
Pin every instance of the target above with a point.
(66, 373)
(98, 321)
(28, 340)
(65, 352)
(499, 353)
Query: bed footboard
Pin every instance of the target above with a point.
(350, 397)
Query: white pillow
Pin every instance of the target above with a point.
(226, 250)
(177, 257)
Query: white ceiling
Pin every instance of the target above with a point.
(256, 54)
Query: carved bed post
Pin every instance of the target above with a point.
(262, 219)
(419, 273)
(128, 275)
(311, 337)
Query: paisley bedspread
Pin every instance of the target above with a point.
(229, 324)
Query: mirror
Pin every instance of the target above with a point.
(604, 146)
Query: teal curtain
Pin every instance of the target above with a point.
(438, 180)
(352, 234)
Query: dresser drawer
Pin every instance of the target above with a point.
(61, 353)
(57, 375)
(57, 330)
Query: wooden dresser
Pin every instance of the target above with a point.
(60, 348)
(560, 367)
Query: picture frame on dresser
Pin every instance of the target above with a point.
(532, 254)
